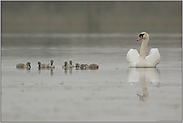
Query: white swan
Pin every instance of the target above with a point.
(141, 60)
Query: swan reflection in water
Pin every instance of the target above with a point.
(66, 70)
(143, 75)
(51, 70)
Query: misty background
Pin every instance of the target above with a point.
(91, 17)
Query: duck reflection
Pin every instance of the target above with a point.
(28, 70)
(51, 70)
(39, 70)
(22, 66)
(68, 70)
(143, 75)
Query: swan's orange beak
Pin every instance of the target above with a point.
(139, 95)
(139, 38)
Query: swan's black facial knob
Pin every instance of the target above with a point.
(140, 37)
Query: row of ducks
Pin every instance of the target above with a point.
(28, 65)
(79, 65)
(66, 65)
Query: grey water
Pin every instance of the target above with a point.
(109, 93)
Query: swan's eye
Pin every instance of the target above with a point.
(141, 35)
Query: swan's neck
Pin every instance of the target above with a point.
(143, 48)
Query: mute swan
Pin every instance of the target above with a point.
(141, 60)
(93, 66)
(50, 65)
(77, 65)
(70, 63)
(43, 65)
(84, 66)
(66, 65)
(21, 65)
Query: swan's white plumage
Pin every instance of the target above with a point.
(153, 58)
(132, 57)
(137, 60)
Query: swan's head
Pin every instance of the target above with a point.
(39, 63)
(77, 65)
(65, 63)
(70, 62)
(51, 61)
(143, 35)
(28, 64)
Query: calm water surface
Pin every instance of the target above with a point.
(109, 93)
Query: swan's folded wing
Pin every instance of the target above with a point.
(154, 57)
(132, 57)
